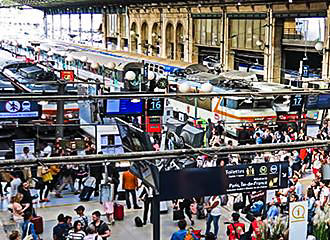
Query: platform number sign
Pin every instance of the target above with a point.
(155, 107)
(296, 103)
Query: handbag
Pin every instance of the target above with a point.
(28, 237)
(177, 215)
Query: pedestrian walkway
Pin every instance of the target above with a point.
(121, 230)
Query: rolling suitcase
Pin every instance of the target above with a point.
(118, 211)
(38, 224)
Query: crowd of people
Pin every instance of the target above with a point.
(307, 182)
(262, 215)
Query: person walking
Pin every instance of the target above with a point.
(24, 189)
(28, 227)
(67, 173)
(235, 229)
(46, 178)
(146, 197)
(77, 232)
(130, 184)
(214, 209)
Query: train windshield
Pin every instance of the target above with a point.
(262, 103)
(249, 104)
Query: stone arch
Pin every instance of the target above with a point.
(180, 38)
(144, 38)
(134, 35)
(169, 36)
(156, 38)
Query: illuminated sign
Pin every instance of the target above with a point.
(14, 109)
(67, 75)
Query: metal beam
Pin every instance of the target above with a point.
(154, 155)
(160, 95)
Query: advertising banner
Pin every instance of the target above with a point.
(298, 220)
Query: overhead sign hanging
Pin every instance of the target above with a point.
(155, 107)
(255, 177)
(296, 103)
(14, 109)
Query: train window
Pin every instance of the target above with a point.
(222, 102)
(262, 103)
(231, 103)
(243, 104)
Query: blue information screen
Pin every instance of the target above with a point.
(124, 106)
(318, 102)
(19, 109)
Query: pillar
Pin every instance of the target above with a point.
(53, 30)
(326, 45)
(268, 47)
(92, 29)
(69, 23)
(163, 34)
(189, 40)
(61, 26)
(276, 73)
(118, 31)
(80, 37)
(105, 25)
(45, 25)
(224, 40)
(229, 55)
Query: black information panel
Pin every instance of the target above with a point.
(255, 177)
(155, 107)
(296, 103)
(198, 182)
(191, 182)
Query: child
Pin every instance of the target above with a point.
(107, 198)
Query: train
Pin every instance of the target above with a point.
(28, 78)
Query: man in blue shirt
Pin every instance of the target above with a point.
(273, 211)
(28, 227)
(181, 234)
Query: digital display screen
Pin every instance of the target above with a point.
(19, 109)
(155, 107)
(19, 145)
(124, 106)
(318, 101)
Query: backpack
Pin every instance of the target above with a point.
(189, 236)
(138, 222)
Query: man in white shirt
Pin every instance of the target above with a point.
(26, 155)
(14, 184)
(214, 208)
(46, 151)
(324, 194)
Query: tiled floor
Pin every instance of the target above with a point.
(121, 230)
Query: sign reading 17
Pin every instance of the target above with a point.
(297, 101)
